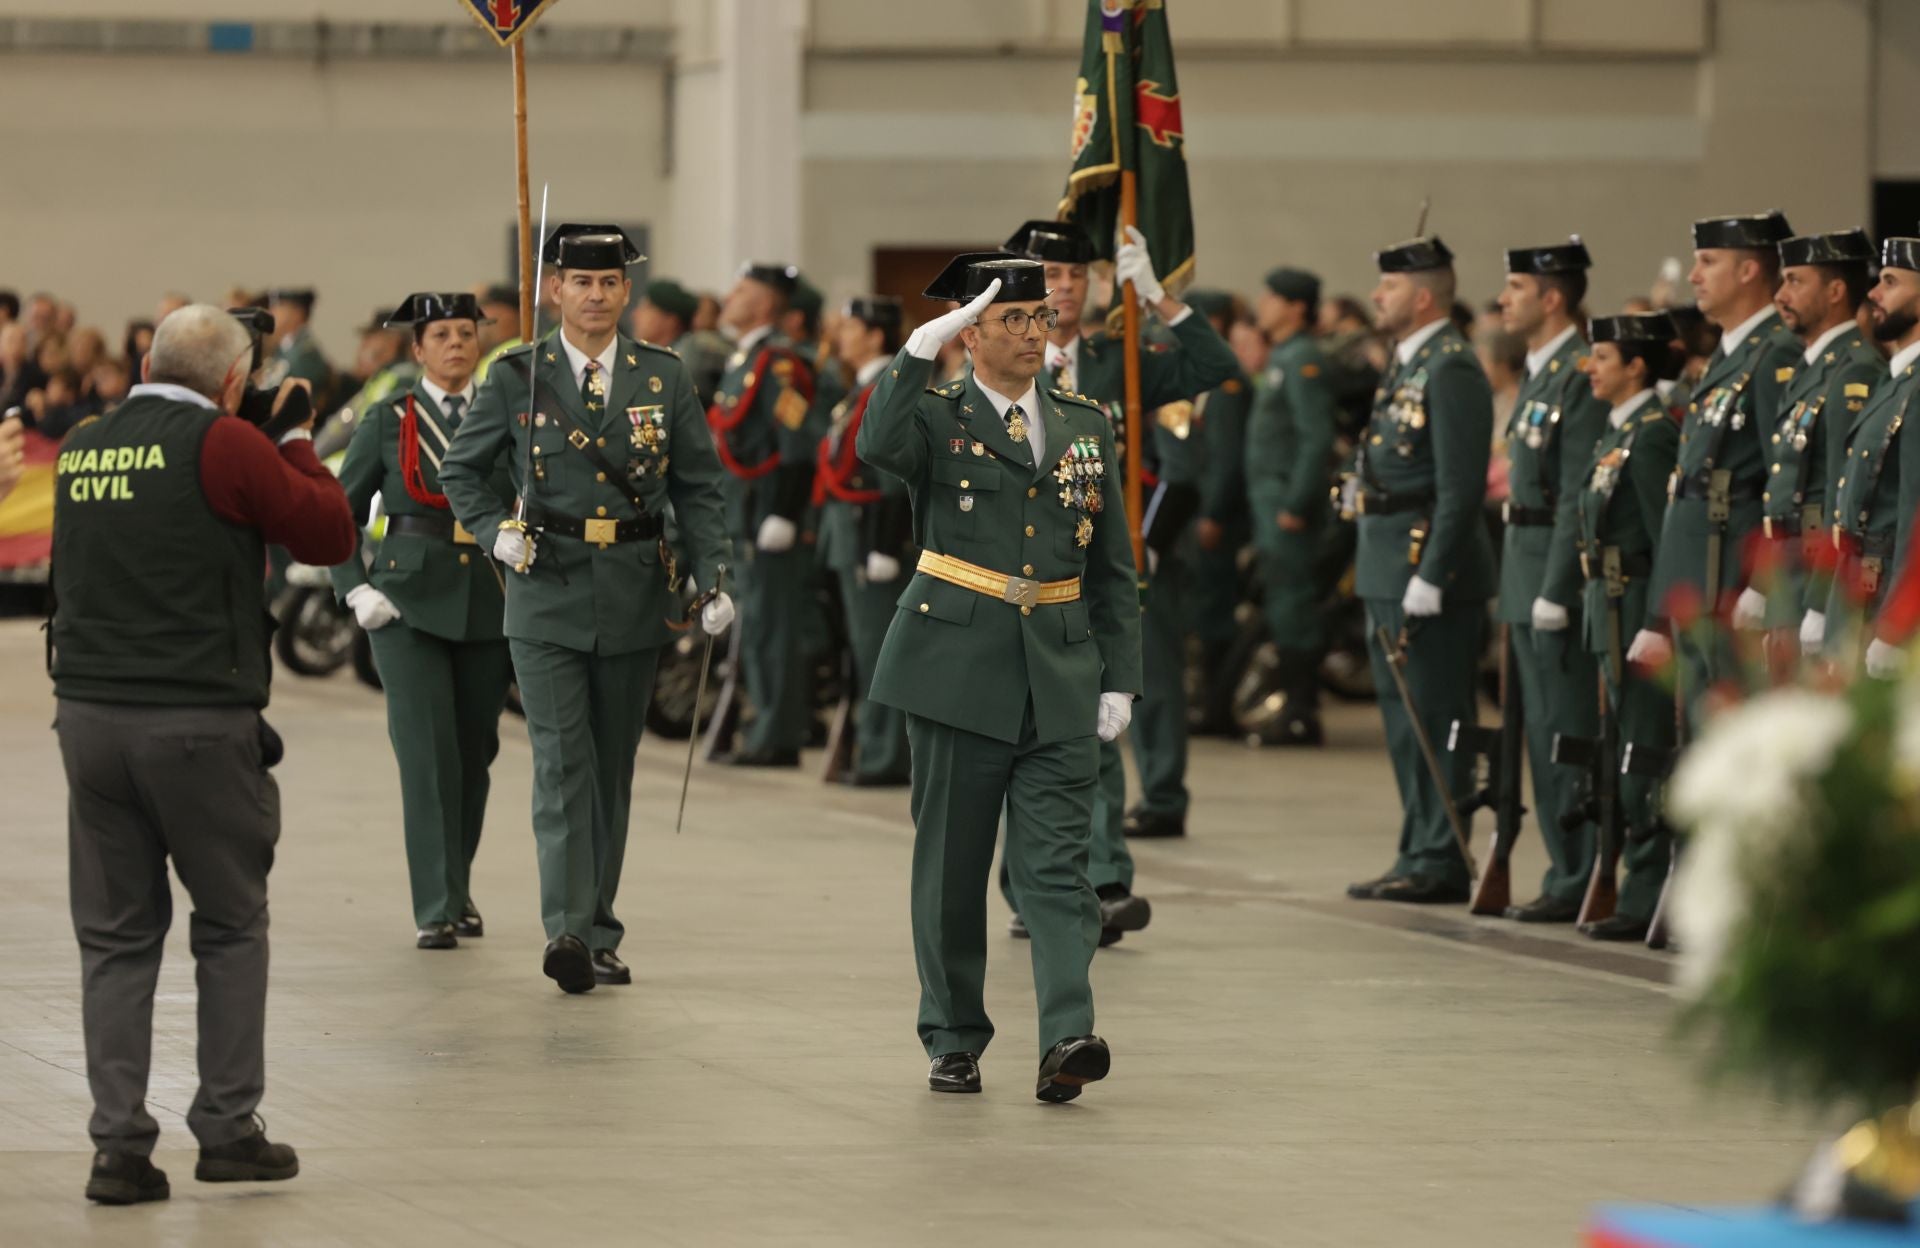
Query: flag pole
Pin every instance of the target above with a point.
(1130, 359)
(525, 196)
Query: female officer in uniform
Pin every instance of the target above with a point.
(431, 604)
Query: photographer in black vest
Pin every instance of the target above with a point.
(162, 515)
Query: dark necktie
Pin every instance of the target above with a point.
(593, 388)
(1016, 423)
(454, 405)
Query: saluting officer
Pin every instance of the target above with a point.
(1823, 280)
(1722, 466)
(1289, 452)
(1621, 501)
(866, 528)
(1556, 421)
(759, 423)
(1016, 643)
(1425, 565)
(431, 604)
(1876, 495)
(602, 435)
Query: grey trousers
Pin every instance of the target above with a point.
(146, 784)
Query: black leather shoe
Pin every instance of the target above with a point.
(126, 1179)
(1428, 890)
(1301, 731)
(1545, 910)
(566, 963)
(1369, 890)
(1017, 928)
(1619, 927)
(249, 1159)
(1110, 936)
(1070, 1066)
(609, 969)
(436, 936)
(765, 758)
(470, 924)
(1142, 824)
(861, 780)
(1125, 912)
(955, 1072)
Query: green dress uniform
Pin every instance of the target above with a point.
(298, 351)
(1022, 612)
(767, 443)
(1550, 438)
(862, 511)
(1422, 480)
(1621, 503)
(1807, 448)
(1220, 415)
(588, 618)
(444, 662)
(1722, 466)
(1289, 451)
(1876, 494)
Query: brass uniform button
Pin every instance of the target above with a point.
(466, 558)
(1026, 610)
(599, 441)
(392, 564)
(599, 511)
(1029, 530)
(599, 476)
(965, 484)
(1033, 491)
(924, 608)
(1026, 569)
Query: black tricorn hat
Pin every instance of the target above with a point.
(784, 278)
(590, 247)
(1568, 257)
(969, 274)
(425, 307)
(1063, 242)
(302, 295)
(1296, 284)
(1839, 247)
(381, 319)
(1762, 232)
(1643, 327)
(877, 311)
(1900, 253)
(1416, 255)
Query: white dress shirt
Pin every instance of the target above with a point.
(1411, 344)
(870, 370)
(577, 360)
(1825, 340)
(168, 390)
(1618, 416)
(439, 396)
(1537, 360)
(1029, 407)
(1904, 360)
(1730, 342)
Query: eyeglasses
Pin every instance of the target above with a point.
(1017, 322)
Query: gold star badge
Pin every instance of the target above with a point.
(1829, 357)
(967, 408)
(551, 357)
(633, 361)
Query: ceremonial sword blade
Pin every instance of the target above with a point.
(533, 371)
(693, 732)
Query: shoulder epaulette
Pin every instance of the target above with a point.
(1783, 373)
(1655, 416)
(1858, 389)
(1068, 396)
(654, 346)
(949, 391)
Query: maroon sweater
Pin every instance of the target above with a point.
(285, 492)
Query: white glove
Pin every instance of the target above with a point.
(777, 534)
(926, 341)
(510, 547)
(881, 568)
(1549, 617)
(1116, 712)
(1884, 661)
(1350, 497)
(373, 609)
(1750, 611)
(1153, 562)
(1421, 598)
(1813, 632)
(1649, 649)
(1131, 263)
(717, 615)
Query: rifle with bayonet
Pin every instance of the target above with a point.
(1655, 764)
(1496, 752)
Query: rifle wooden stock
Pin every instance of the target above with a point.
(1602, 806)
(840, 740)
(1501, 747)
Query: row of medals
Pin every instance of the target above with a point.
(1408, 411)
(1081, 474)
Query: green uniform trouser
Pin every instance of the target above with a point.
(1159, 728)
(961, 782)
(1213, 589)
(1109, 861)
(1701, 653)
(880, 732)
(1442, 665)
(1645, 714)
(1560, 692)
(443, 715)
(1289, 577)
(585, 712)
(773, 598)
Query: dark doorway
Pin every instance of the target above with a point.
(1896, 208)
(904, 272)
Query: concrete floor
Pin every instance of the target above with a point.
(1290, 1067)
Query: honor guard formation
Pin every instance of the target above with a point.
(1548, 540)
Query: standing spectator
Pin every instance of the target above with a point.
(15, 369)
(13, 454)
(138, 342)
(86, 347)
(39, 316)
(111, 377)
(9, 308)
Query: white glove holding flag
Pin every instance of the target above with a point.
(510, 548)
(1649, 649)
(373, 609)
(1116, 712)
(1131, 263)
(1421, 599)
(941, 330)
(1750, 611)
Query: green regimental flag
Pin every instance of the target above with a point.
(1126, 116)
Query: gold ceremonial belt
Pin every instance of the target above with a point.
(1014, 589)
(463, 538)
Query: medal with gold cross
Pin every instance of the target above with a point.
(1016, 424)
(1083, 532)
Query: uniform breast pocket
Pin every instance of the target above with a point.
(399, 557)
(1078, 625)
(962, 494)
